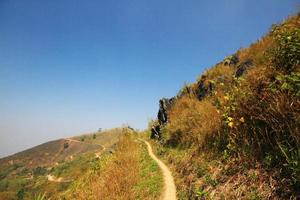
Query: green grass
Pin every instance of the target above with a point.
(151, 180)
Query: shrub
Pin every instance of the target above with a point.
(66, 145)
(289, 83)
(286, 55)
(39, 171)
(270, 127)
(21, 194)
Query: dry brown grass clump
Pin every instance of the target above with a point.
(220, 72)
(192, 122)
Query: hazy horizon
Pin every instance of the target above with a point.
(68, 68)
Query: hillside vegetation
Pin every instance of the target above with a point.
(129, 173)
(235, 132)
(111, 164)
(50, 168)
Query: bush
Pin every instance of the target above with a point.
(266, 124)
(289, 83)
(21, 194)
(39, 171)
(286, 55)
(66, 145)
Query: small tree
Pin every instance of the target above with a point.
(66, 145)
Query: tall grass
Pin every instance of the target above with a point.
(117, 179)
(192, 122)
(129, 173)
(257, 115)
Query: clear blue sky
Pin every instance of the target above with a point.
(68, 66)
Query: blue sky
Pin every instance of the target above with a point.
(69, 67)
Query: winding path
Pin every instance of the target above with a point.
(169, 185)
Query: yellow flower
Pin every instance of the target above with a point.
(226, 98)
(242, 120)
(230, 119)
(230, 124)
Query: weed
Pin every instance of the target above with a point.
(201, 193)
(210, 181)
(21, 194)
(201, 171)
(40, 197)
(254, 194)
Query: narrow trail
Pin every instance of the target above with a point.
(52, 178)
(97, 154)
(169, 185)
(73, 140)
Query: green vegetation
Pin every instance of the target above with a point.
(21, 194)
(39, 171)
(151, 182)
(66, 145)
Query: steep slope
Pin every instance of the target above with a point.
(235, 132)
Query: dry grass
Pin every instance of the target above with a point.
(256, 116)
(203, 175)
(128, 174)
(257, 51)
(220, 73)
(117, 179)
(192, 122)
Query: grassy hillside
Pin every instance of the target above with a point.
(112, 164)
(129, 173)
(51, 167)
(235, 132)
(48, 154)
